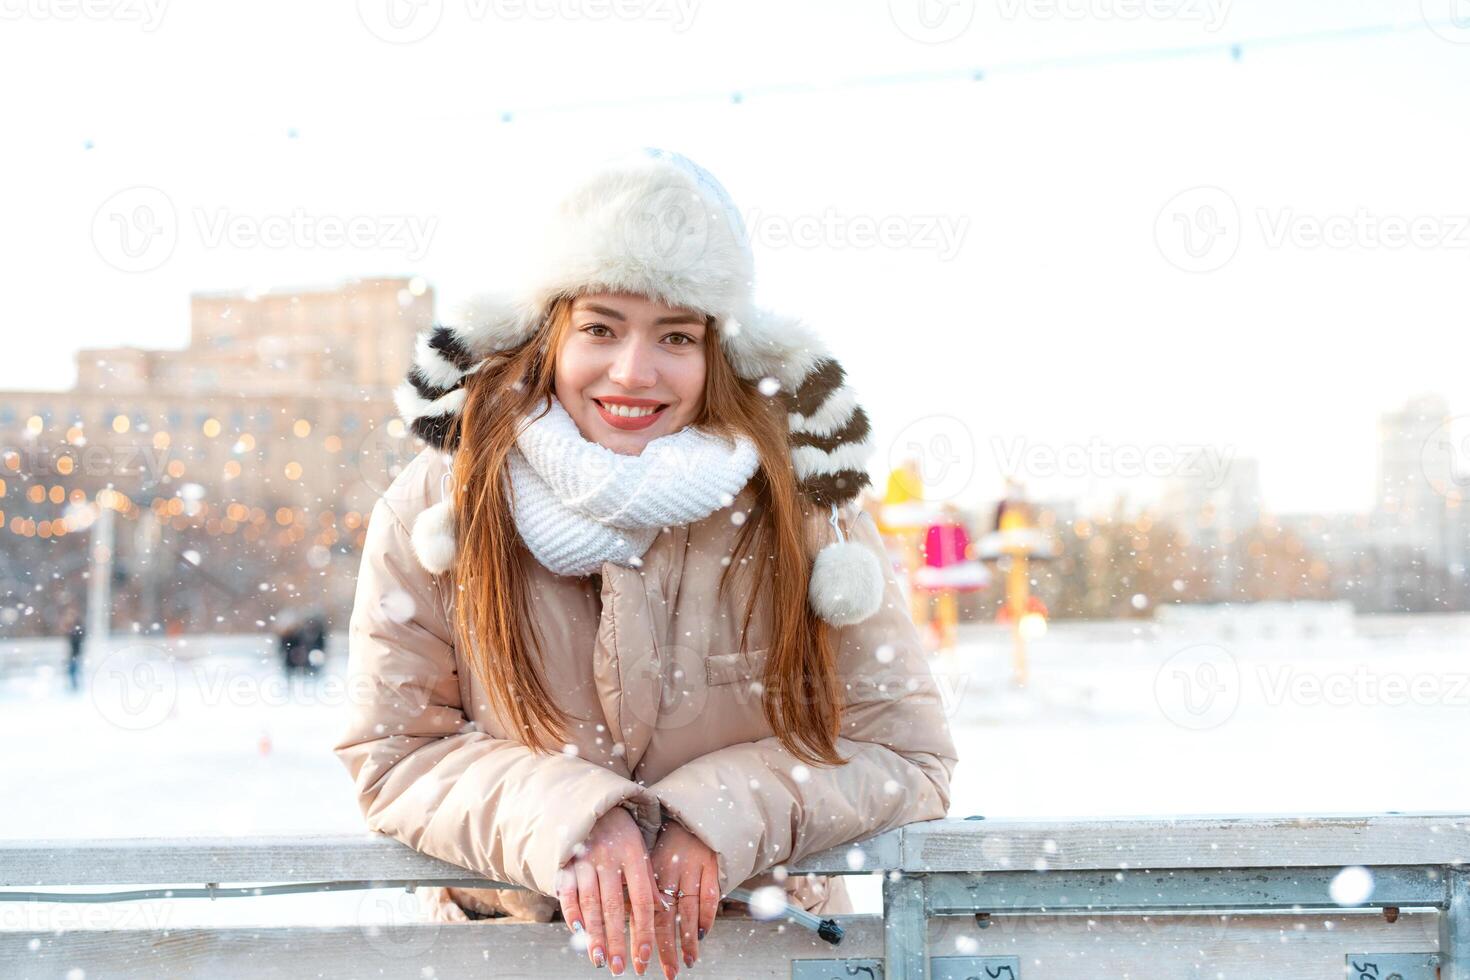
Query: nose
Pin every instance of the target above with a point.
(633, 367)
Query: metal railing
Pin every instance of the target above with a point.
(1269, 896)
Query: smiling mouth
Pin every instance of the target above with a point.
(629, 411)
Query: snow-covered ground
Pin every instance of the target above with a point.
(1174, 721)
(1117, 719)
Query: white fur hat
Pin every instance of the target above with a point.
(655, 224)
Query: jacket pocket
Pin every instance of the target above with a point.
(727, 668)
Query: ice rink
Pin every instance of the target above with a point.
(1118, 718)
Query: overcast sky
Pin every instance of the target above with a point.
(1121, 237)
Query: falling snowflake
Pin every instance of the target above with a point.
(398, 605)
(768, 902)
(1352, 885)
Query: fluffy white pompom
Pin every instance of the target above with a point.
(433, 537)
(846, 584)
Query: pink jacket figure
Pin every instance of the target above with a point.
(945, 545)
(947, 565)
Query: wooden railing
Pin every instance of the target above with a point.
(1270, 897)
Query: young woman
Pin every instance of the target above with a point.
(630, 642)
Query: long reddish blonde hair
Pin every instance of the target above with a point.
(801, 697)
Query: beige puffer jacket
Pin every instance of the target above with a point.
(666, 716)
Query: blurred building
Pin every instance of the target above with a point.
(274, 426)
(1214, 516)
(1415, 476)
(281, 396)
(1420, 512)
(1344, 549)
(1409, 553)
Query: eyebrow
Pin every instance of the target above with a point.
(661, 321)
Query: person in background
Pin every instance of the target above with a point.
(74, 628)
(288, 640)
(949, 568)
(312, 643)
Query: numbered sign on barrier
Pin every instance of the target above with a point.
(975, 968)
(862, 969)
(1392, 966)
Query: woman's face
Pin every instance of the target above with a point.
(630, 369)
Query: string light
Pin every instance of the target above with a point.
(1234, 50)
(171, 511)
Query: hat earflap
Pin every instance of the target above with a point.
(433, 534)
(846, 585)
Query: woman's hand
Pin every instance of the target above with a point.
(683, 865)
(591, 892)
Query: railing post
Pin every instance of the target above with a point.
(1454, 926)
(905, 928)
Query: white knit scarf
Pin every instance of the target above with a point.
(578, 504)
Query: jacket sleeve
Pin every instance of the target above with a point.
(429, 777)
(756, 806)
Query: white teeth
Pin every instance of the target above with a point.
(628, 411)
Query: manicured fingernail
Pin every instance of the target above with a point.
(617, 966)
(576, 926)
(599, 958)
(689, 959)
(645, 952)
(701, 932)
